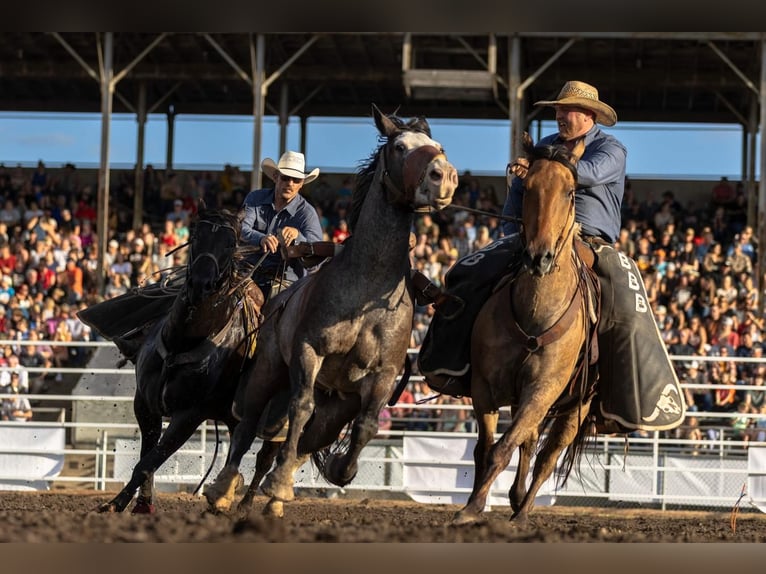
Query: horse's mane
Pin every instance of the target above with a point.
(558, 153)
(366, 171)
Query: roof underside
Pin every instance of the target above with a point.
(692, 77)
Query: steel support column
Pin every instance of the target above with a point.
(171, 113)
(258, 59)
(138, 186)
(762, 183)
(749, 176)
(102, 226)
(284, 117)
(514, 101)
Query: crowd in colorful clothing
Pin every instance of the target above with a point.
(698, 265)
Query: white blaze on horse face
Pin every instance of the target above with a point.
(440, 176)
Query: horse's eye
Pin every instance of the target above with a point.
(400, 147)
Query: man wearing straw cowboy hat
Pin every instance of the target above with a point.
(638, 385)
(280, 214)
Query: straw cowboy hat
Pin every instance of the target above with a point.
(584, 95)
(291, 164)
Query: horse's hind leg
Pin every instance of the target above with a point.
(150, 426)
(263, 462)
(340, 469)
(561, 434)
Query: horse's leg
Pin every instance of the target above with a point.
(561, 434)
(180, 429)
(150, 426)
(266, 456)
(262, 381)
(518, 489)
(498, 456)
(340, 469)
(331, 413)
(303, 371)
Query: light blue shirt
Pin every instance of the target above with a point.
(262, 218)
(600, 186)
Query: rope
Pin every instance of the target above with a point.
(212, 462)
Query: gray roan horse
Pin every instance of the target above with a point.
(530, 345)
(188, 365)
(338, 338)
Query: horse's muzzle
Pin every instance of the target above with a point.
(538, 263)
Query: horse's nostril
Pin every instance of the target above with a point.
(436, 174)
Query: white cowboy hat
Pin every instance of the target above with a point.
(584, 95)
(292, 164)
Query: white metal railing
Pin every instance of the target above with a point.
(103, 450)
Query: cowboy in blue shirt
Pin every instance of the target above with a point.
(600, 177)
(638, 385)
(281, 212)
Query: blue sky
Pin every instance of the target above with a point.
(339, 144)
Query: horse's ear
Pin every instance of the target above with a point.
(526, 143)
(240, 215)
(578, 150)
(421, 124)
(385, 126)
(201, 205)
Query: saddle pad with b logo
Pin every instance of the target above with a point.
(638, 386)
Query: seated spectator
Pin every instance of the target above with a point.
(760, 425)
(697, 399)
(341, 233)
(741, 424)
(690, 431)
(755, 398)
(400, 415)
(384, 419)
(15, 406)
(723, 193)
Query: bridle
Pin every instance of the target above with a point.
(557, 154)
(414, 170)
(194, 258)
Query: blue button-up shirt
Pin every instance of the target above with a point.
(600, 186)
(262, 218)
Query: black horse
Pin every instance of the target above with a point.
(333, 344)
(188, 361)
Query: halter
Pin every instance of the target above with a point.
(414, 171)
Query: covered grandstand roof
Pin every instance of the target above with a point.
(682, 77)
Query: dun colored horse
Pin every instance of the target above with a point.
(338, 338)
(188, 364)
(530, 341)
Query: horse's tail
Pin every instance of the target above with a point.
(572, 456)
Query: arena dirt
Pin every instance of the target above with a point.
(45, 517)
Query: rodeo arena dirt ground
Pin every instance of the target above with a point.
(58, 517)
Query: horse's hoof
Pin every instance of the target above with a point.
(278, 490)
(107, 507)
(274, 508)
(221, 493)
(143, 508)
(337, 471)
(463, 518)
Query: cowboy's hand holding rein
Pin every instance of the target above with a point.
(518, 168)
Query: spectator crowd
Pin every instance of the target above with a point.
(698, 263)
